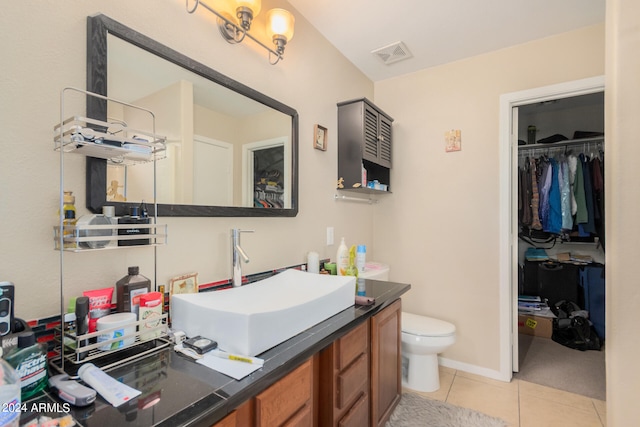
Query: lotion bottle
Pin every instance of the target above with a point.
(342, 258)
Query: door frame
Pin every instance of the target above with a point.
(248, 183)
(508, 238)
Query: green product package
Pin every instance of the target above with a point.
(29, 360)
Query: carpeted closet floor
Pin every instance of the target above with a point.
(545, 362)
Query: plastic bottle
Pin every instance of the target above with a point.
(9, 395)
(351, 269)
(361, 258)
(29, 360)
(313, 262)
(129, 289)
(69, 216)
(342, 258)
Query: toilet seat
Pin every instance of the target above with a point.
(426, 326)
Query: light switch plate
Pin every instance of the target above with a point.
(329, 236)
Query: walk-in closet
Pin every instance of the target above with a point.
(561, 243)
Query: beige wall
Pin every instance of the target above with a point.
(43, 50)
(622, 102)
(439, 229)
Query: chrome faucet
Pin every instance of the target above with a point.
(238, 255)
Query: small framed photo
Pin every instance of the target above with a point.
(452, 141)
(187, 284)
(320, 137)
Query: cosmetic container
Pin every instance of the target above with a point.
(112, 390)
(150, 314)
(137, 215)
(115, 326)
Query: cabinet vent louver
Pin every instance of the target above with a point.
(392, 53)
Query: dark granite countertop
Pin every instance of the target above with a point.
(178, 391)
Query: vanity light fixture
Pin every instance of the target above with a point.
(279, 26)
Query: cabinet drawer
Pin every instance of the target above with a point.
(358, 415)
(352, 381)
(303, 418)
(352, 345)
(285, 398)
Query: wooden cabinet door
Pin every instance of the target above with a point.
(358, 415)
(386, 380)
(289, 401)
(377, 137)
(344, 380)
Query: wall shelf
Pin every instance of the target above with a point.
(83, 238)
(112, 141)
(122, 145)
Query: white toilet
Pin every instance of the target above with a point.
(422, 339)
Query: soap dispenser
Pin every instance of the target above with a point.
(342, 258)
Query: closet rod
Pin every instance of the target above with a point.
(354, 199)
(566, 143)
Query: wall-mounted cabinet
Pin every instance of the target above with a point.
(364, 144)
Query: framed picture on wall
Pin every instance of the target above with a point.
(187, 284)
(320, 138)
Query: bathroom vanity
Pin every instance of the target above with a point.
(334, 373)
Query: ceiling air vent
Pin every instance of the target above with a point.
(392, 53)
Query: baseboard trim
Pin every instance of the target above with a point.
(473, 369)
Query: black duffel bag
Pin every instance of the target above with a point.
(572, 328)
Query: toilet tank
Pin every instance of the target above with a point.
(375, 270)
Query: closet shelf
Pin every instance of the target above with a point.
(567, 143)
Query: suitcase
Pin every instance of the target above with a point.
(530, 279)
(593, 283)
(559, 281)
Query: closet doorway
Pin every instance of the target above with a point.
(509, 241)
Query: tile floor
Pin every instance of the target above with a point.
(519, 403)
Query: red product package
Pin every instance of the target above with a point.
(99, 305)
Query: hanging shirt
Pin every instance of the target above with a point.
(535, 197)
(545, 186)
(581, 212)
(554, 219)
(565, 195)
(573, 165)
(589, 226)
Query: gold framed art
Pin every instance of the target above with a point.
(186, 284)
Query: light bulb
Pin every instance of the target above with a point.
(280, 23)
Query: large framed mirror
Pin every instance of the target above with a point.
(231, 150)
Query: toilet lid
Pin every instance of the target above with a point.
(426, 326)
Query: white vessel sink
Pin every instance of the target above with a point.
(253, 318)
